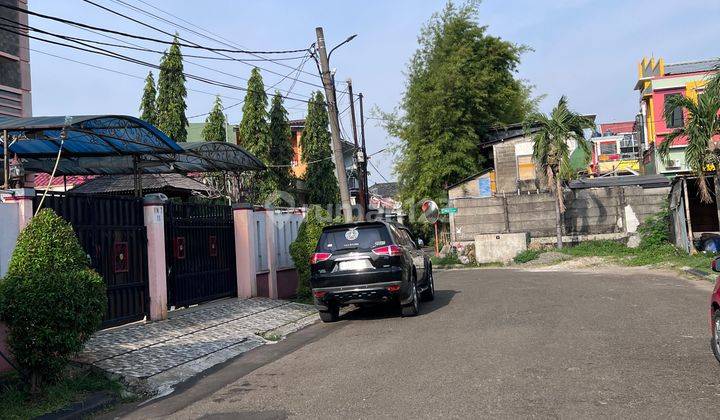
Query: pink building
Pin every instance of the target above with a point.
(657, 81)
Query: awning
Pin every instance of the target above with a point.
(85, 135)
(115, 145)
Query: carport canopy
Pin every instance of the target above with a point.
(115, 145)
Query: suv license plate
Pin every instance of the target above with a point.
(354, 265)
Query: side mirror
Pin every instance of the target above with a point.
(421, 243)
(715, 265)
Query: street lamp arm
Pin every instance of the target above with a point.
(350, 38)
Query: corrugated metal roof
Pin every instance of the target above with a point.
(150, 182)
(646, 181)
(692, 66)
(85, 135)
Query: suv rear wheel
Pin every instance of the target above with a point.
(429, 293)
(331, 315)
(412, 308)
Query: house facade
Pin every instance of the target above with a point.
(615, 149)
(15, 99)
(658, 81)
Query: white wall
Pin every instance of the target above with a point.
(8, 233)
(286, 228)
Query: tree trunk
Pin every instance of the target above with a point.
(558, 219)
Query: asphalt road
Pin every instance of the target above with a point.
(494, 343)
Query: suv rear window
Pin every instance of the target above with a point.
(360, 238)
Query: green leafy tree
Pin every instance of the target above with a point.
(171, 96)
(551, 136)
(701, 124)
(460, 83)
(281, 152)
(320, 176)
(50, 299)
(255, 134)
(214, 129)
(147, 103)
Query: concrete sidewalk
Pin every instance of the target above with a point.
(158, 355)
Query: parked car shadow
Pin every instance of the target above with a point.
(442, 298)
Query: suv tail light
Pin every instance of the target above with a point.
(390, 250)
(320, 256)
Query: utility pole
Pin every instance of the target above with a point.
(363, 161)
(360, 158)
(334, 126)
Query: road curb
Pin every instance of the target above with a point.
(95, 402)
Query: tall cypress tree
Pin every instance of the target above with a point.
(147, 103)
(281, 152)
(255, 135)
(316, 152)
(214, 129)
(171, 94)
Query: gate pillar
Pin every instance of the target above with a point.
(157, 271)
(245, 250)
(24, 199)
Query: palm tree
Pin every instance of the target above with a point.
(701, 124)
(551, 151)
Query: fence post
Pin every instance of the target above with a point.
(24, 199)
(157, 271)
(245, 250)
(271, 253)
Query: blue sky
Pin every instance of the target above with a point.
(587, 50)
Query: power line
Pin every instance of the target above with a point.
(214, 37)
(378, 172)
(112, 54)
(215, 50)
(144, 38)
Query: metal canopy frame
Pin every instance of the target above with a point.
(115, 145)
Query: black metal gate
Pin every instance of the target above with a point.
(200, 253)
(112, 232)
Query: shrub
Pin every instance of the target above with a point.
(449, 259)
(527, 256)
(50, 300)
(304, 246)
(655, 231)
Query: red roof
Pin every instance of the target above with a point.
(42, 180)
(617, 127)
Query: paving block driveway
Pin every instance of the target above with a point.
(496, 343)
(190, 340)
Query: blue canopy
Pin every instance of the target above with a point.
(85, 136)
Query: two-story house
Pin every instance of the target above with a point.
(658, 81)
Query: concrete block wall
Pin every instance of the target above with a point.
(591, 211)
(505, 167)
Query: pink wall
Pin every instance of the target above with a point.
(661, 129)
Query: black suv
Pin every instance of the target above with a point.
(369, 262)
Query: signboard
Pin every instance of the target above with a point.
(448, 210)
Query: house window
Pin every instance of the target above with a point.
(608, 148)
(674, 120)
(526, 168)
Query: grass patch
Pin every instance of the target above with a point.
(663, 255)
(527, 256)
(17, 403)
(449, 259)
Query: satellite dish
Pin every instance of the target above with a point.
(430, 210)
